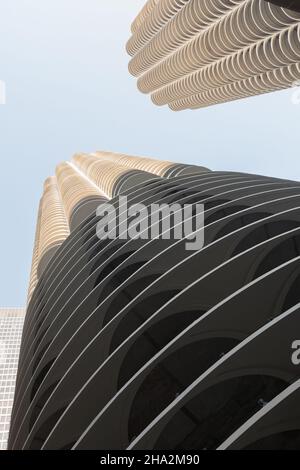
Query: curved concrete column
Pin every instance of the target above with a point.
(106, 173)
(52, 230)
(164, 169)
(152, 17)
(33, 280)
(144, 13)
(76, 193)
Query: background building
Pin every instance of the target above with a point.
(141, 344)
(191, 54)
(11, 326)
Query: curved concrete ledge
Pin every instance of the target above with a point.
(278, 418)
(45, 260)
(289, 4)
(226, 325)
(85, 209)
(266, 352)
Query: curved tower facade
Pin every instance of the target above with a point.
(190, 54)
(141, 344)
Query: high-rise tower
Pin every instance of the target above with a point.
(11, 327)
(142, 344)
(191, 54)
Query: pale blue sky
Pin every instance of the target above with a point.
(68, 90)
